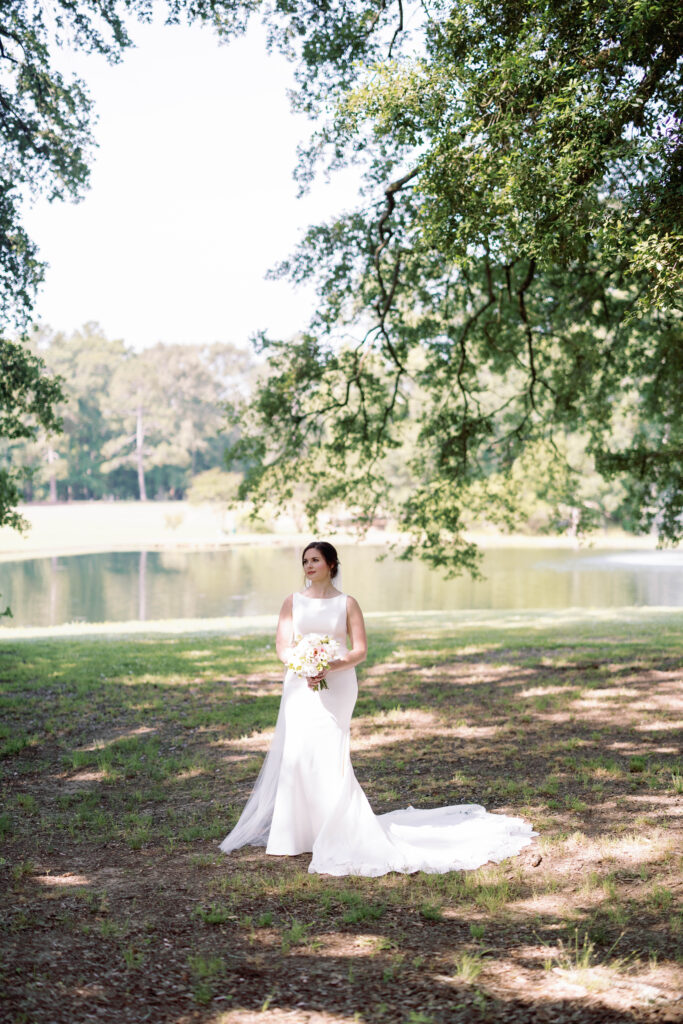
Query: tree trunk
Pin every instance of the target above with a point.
(574, 523)
(139, 439)
(54, 567)
(142, 586)
(51, 459)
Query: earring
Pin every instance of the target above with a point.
(308, 583)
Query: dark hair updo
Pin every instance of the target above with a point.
(329, 553)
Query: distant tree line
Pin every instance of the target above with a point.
(135, 424)
(164, 422)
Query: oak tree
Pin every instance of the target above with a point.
(512, 275)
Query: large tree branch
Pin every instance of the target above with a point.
(399, 28)
(389, 408)
(386, 296)
(527, 329)
(535, 378)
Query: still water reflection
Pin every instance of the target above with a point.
(124, 586)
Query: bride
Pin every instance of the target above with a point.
(307, 799)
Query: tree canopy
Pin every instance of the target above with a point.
(512, 277)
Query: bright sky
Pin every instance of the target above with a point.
(192, 198)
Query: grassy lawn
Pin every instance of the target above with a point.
(125, 760)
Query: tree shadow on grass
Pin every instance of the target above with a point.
(118, 903)
(146, 947)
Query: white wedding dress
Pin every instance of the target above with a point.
(307, 799)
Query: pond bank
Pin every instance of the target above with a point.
(579, 620)
(89, 527)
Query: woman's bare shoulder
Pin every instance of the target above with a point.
(287, 604)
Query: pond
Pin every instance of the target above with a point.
(240, 581)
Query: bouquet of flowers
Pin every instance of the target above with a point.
(312, 654)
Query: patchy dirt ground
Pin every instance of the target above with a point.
(126, 763)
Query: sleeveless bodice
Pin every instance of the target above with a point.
(320, 615)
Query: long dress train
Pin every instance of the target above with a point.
(307, 798)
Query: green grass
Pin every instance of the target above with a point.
(215, 914)
(294, 935)
(468, 966)
(359, 910)
(126, 761)
(206, 971)
(432, 912)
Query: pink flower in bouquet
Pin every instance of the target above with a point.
(312, 655)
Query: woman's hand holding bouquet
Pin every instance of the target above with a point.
(310, 657)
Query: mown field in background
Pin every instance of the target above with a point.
(116, 526)
(85, 526)
(125, 760)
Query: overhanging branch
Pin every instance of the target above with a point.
(386, 295)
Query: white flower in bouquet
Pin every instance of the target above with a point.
(312, 654)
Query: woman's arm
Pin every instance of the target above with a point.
(283, 637)
(359, 643)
